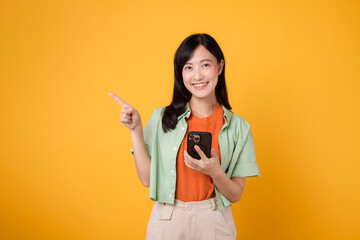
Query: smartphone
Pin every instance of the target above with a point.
(203, 140)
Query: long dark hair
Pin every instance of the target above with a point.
(181, 95)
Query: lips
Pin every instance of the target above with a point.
(199, 86)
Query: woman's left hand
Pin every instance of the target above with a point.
(209, 166)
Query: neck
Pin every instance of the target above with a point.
(203, 107)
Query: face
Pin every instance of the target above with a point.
(200, 73)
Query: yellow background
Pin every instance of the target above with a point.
(293, 72)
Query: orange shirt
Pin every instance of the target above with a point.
(192, 185)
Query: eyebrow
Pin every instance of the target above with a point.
(204, 60)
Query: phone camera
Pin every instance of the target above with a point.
(194, 138)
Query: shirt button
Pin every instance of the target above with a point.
(174, 148)
(172, 171)
(170, 195)
(188, 207)
(183, 128)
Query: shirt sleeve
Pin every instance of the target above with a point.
(244, 156)
(150, 130)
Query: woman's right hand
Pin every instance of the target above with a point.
(129, 116)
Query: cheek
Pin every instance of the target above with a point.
(214, 73)
(186, 78)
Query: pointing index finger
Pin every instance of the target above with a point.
(119, 100)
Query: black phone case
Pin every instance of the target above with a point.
(203, 140)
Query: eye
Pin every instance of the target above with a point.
(187, 67)
(206, 65)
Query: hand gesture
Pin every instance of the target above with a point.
(209, 166)
(129, 116)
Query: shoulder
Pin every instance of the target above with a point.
(239, 124)
(156, 116)
(154, 123)
(237, 120)
(158, 112)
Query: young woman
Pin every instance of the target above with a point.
(193, 197)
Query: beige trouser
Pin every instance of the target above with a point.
(190, 221)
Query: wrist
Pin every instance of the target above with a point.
(217, 174)
(136, 130)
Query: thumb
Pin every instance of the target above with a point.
(213, 152)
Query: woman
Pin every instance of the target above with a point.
(193, 197)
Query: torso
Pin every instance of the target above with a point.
(192, 185)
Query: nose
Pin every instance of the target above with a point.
(198, 74)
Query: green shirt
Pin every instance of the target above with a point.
(236, 148)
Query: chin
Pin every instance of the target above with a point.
(201, 96)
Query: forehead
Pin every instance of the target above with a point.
(201, 53)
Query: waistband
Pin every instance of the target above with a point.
(209, 204)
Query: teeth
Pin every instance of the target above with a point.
(199, 85)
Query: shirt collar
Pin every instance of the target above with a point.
(227, 114)
(187, 112)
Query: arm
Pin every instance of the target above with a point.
(130, 118)
(231, 188)
(142, 158)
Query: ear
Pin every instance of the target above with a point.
(221, 65)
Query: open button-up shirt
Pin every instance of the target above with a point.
(236, 148)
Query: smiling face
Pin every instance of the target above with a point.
(200, 73)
